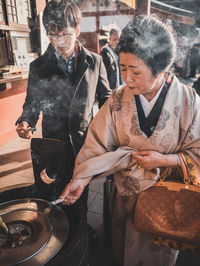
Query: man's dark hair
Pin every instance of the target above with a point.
(151, 40)
(61, 14)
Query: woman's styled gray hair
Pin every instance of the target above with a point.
(148, 38)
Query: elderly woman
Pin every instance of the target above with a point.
(137, 134)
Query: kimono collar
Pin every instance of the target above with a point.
(146, 105)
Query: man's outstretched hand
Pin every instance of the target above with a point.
(22, 130)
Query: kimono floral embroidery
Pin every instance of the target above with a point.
(177, 110)
(153, 139)
(182, 135)
(167, 140)
(131, 186)
(135, 130)
(125, 112)
(189, 100)
(127, 140)
(126, 108)
(117, 102)
(191, 134)
(164, 116)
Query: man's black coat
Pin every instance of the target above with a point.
(111, 68)
(66, 103)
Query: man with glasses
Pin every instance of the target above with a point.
(64, 82)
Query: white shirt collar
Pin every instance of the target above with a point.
(72, 56)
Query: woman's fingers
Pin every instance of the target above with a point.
(69, 200)
(72, 192)
(144, 159)
(66, 191)
(137, 157)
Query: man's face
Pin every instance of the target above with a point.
(114, 39)
(64, 41)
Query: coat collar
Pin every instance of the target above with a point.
(84, 59)
(84, 55)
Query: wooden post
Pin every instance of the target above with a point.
(97, 26)
(143, 7)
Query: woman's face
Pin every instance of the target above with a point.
(138, 76)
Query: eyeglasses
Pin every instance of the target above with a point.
(55, 36)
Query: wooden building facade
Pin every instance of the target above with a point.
(18, 29)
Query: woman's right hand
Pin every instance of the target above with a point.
(21, 130)
(73, 190)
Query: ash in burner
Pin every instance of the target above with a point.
(20, 235)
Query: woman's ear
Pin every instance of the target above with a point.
(160, 78)
(78, 30)
(161, 75)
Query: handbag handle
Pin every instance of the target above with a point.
(184, 168)
(176, 185)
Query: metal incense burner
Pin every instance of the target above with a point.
(34, 225)
(39, 231)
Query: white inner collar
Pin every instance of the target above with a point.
(146, 105)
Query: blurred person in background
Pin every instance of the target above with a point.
(196, 85)
(194, 60)
(111, 60)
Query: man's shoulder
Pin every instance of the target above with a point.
(44, 59)
(104, 50)
(39, 62)
(89, 54)
(106, 54)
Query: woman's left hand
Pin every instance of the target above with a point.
(73, 190)
(149, 159)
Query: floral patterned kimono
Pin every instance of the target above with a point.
(114, 133)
